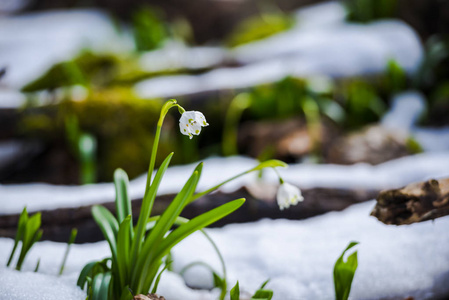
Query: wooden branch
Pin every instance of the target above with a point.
(417, 202)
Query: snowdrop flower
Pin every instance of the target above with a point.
(191, 122)
(288, 195)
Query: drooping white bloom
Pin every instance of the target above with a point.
(288, 195)
(191, 122)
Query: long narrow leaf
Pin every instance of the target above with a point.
(32, 226)
(262, 295)
(162, 226)
(188, 228)
(123, 248)
(72, 238)
(104, 288)
(23, 219)
(31, 235)
(198, 223)
(344, 273)
(108, 225)
(147, 205)
(158, 278)
(82, 279)
(122, 201)
(235, 292)
(96, 286)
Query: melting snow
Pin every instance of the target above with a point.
(298, 257)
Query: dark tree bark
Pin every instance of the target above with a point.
(417, 202)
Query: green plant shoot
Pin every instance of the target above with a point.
(138, 252)
(344, 273)
(66, 253)
(28, 233)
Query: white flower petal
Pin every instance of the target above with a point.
(201, 119)
(288, 195)
(191, 122)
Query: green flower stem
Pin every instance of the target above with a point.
(266, 164)
(281, 181)
(165, 108)
(224, 287)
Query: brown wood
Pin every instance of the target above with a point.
(416, 202)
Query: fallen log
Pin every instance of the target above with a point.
(416, 202)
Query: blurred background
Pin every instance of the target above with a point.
(305, 81)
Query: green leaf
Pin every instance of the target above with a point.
(100, 286)
(158, 278)
(263, 295)
(122, 201)
(198, 223)
(185, 230)
(32, 226)
(82, 279)
(30, 236)
(235, 292)
(104, 288)
(264, 284)
(108, 225)
(272, 163)
(160, 229)
(96, 286)
(126, 294)
(37, 265)
(147, 205)
(266, 164)
(123, 250)
(344, 273)
(218, 281)
(72, 238)
(23, 219)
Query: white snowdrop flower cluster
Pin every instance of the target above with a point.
(288, 195)
(191, 122)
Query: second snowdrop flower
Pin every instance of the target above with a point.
(287, 195)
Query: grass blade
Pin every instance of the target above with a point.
(31, 235)
(108, 225)
(160, 229)
(344, 273)
(158, 278)
(123, 249)
(66, 254)
(122, 201)
(198, 223)
(147, 205)
(37, 265)
(188, 228)
(23, 220)
(82, 279)
(235, 292)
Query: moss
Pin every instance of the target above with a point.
(257, 28)
(370, 10)
(413, 146)
(123, 124)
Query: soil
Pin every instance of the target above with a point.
(57, 224)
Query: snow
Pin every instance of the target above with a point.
(324, 45)
(405, 111)
(391, 174)
(298, 257)
(321, 43)
(177, 56)
(28, 285)
(406, 108)
(31, 43)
